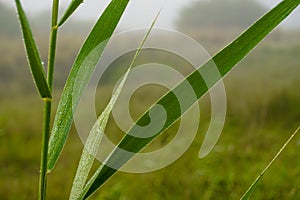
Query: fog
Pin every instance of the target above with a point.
(140, 13)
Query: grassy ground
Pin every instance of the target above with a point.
(263, 111)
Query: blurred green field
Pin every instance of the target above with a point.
(263, 111)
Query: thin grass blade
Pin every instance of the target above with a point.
(81, 73)
(34, 59)
(251, 189)
(70, 10)
(225, 60)
(95, 136)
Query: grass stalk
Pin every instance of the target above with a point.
(52, 44)
(48, 104)
(250, 190)
(44, 151)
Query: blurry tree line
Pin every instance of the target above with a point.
(223, 14)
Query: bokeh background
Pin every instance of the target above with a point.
(263, 104)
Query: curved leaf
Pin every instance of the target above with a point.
(34, 59)
(81, 73)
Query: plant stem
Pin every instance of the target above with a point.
(48, 103)
(253, 185)
(52, 45)
(44, 151)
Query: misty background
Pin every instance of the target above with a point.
(139, 13)
(263, 102)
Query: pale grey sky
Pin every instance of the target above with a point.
(140, 13)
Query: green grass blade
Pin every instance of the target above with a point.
(225, 60)
(34, 59)
(81, 73)
(251, 189)
(70, 10)
(95, 136)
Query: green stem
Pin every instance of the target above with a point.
(253, 185)
(44, 151)
(48, 104)
(52, 46)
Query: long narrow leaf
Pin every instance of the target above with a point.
(81, 73)
(95, 136)
(251, 189)
(225, 61)
(34, 59)
(71, 8)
